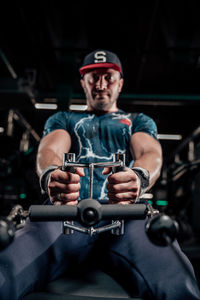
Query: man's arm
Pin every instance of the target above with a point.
(147, 154)
(51, 149)
(124, 187)
(63, 187)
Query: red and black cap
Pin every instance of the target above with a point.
(101, 59)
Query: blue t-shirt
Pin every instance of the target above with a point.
(94, 138)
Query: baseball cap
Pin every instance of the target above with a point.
(101, 59)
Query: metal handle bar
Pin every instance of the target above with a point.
(69, 212)
(69, 164)
(95, 165)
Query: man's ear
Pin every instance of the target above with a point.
(121, 83)
(82, 82)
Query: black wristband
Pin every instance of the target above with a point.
(144, 177)
(44, 178)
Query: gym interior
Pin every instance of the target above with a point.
(42, 46)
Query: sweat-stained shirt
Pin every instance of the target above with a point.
(95, 138)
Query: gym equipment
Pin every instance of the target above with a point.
(89, 212)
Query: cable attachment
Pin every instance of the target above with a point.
(68, 158)
(119, 157)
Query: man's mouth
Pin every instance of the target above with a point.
(100, 95)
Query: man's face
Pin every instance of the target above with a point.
(102, 87)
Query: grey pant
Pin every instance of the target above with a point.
(41, 253)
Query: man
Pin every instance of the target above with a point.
(102, 82)
(154, 272)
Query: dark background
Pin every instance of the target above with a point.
(42, 44)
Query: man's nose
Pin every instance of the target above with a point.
(101, 84)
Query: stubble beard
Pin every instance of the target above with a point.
(100, 103)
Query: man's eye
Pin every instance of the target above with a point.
(109, 78)
(95, 77)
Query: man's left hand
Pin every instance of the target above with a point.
(123, 187)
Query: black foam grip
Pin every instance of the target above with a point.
(118, 169)
(53, 213)
(120, 211)
(69, 169)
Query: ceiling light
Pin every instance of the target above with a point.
(176, 137)
(46, 106)
(78, 107)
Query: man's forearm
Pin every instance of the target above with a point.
(151, 162)
(46, 158)
(51, 149)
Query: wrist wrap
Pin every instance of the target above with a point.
(44, 178)
(144, 177)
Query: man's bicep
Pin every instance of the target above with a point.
(52, 147)
(142, 143)
(57, 139)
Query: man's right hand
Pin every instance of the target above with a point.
(63, 187)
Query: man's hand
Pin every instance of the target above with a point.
(63, 187)
(123, 187)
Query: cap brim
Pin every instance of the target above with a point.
(88, 68)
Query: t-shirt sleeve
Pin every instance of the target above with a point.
(143, 123)
(56, 121)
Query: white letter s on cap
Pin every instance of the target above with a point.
(100, 57)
